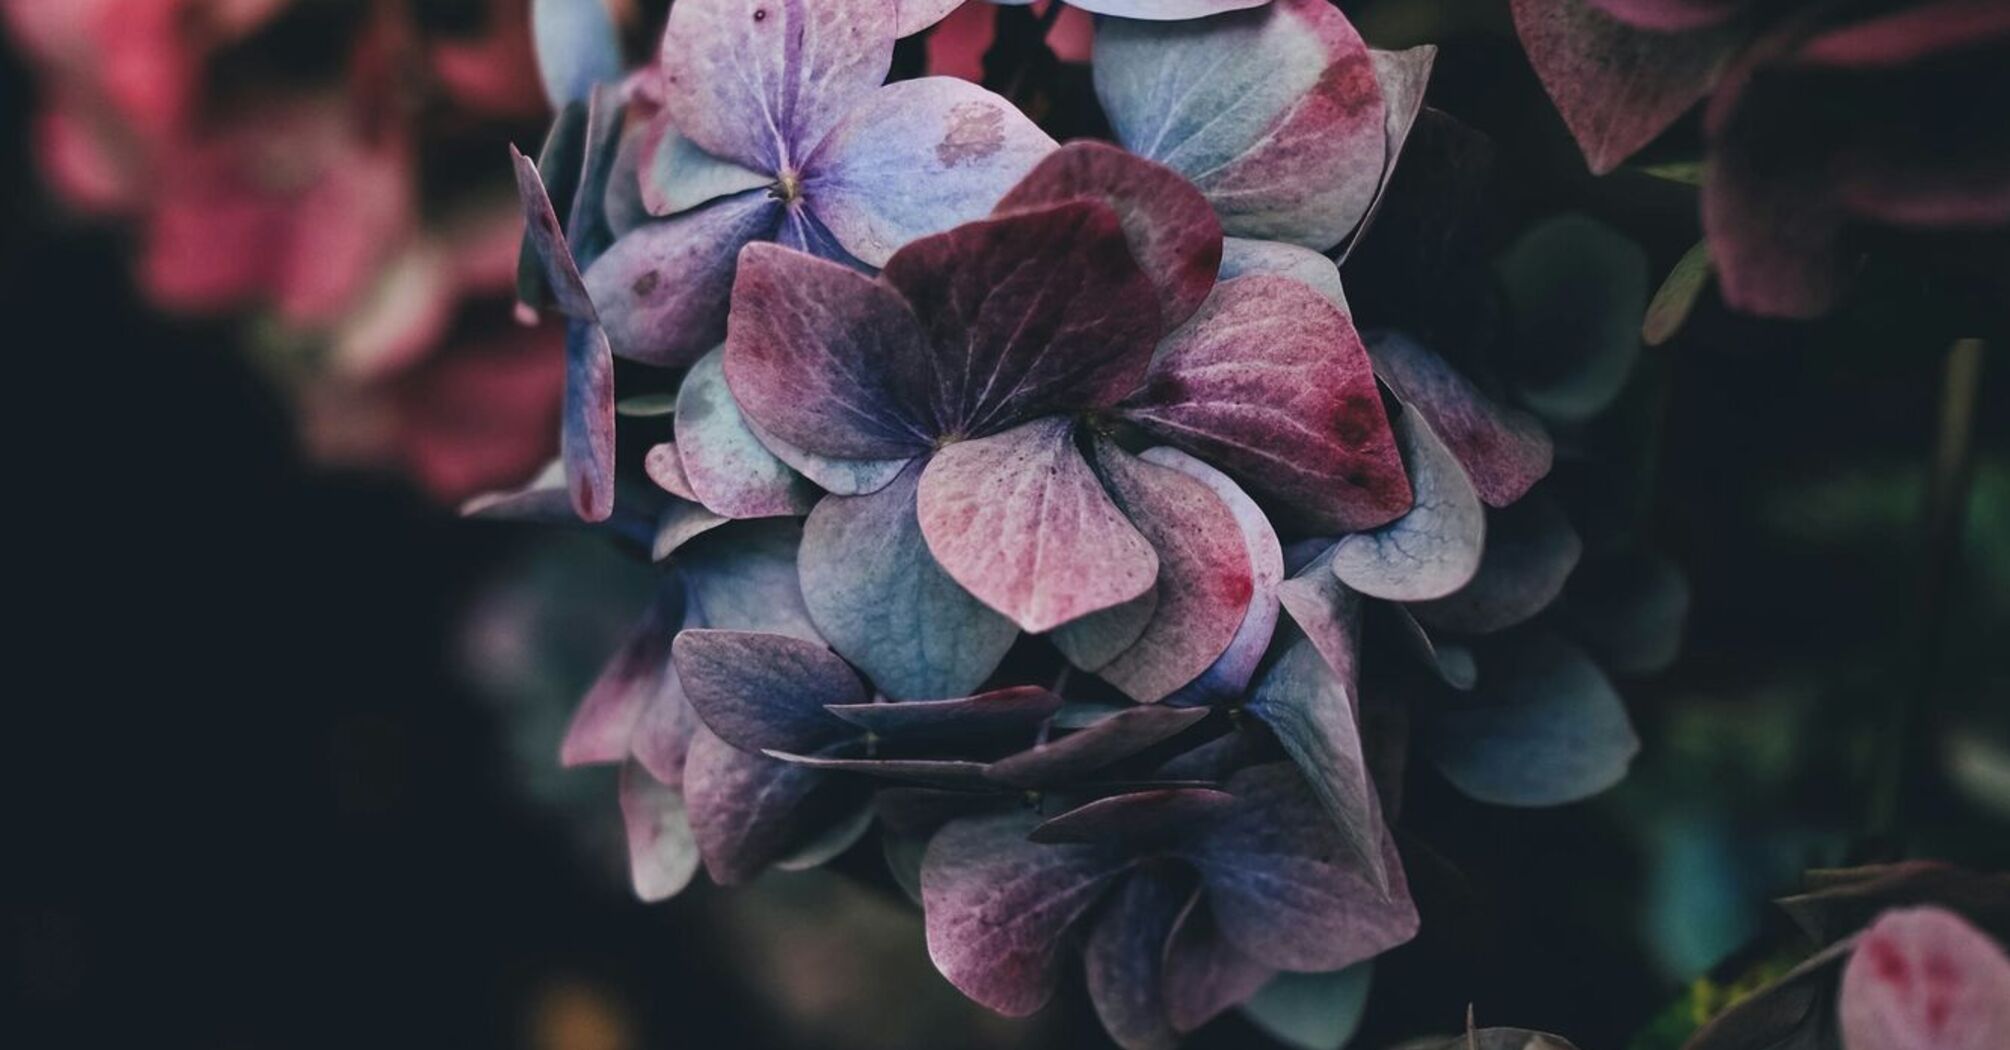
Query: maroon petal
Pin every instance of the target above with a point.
(1104, 743)
(998, 905)
(943, 772)
(1617, 87)
(1124, 960)
(1531, 550)
(827, 359)
(1229, 675)
(630, 682)
(1035, 312)
(1205, 973)
(1174, 234)
(761, 82)
(1283, 887)
(765, 690)
(747, 810)
(1924, 979)
(1434, 549)
(1138, 817)
(1504, 450)
(1000, 712)
(1022, 523)
(662, 851)
(1205, 579)
(1271, 383)
(663, 289)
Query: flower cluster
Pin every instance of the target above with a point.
(1823, 121)
(272, 156)
(1025, 504)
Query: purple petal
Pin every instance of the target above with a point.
(1275, 114)
(1037, 312)
(1547, 728)
(733, 474)
(1205, 973)
(765, 691)
(1091, 642)
(949, 772)
(1530, 552)
(680, 523)
(1105, 743)
(1270, 383)
(663, 289)
(917, 158)
(1327, 612)
(1001, 712)
(1140, 817)
(1924, 979)
(997, 907)
(662, 737)
(1284, 889)
(588, 435)
(666, 468)
(827, 359)
(602, 726)
(1434, 549)
(1021, 522)
(761, 82)
(662, 852)
(1241, 257)
(1314, 714)
(1205, 578)
(1230, 673)
(1124, 960)
(1174, 234)
(842, 477)
(877, 594)
(1504, 451)
(748, 810)
(681, 176)
(1617, 87)
(743, 577)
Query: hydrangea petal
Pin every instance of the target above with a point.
(680, 523)
(742, 577)
(1272, 384)
(1241, 257)
(1313, 713)
(586, 222)
(1434, 549)
(605, 720)
(576, 48)
(1173, 233)
(1282, 887)
(1205, 578)
(662, 737)
(663, 290)
(843, 477)
(1670, 15)
(877, 594)
(662, 851)
(1326, 612)
(944, 772)
(1275, 114)
(1531, 550)
(1001, 711)
(759, 691)
(1229, 675)
(1102, 744)
(1547, 729)
(997, 906)
(680, 176)
(761, 82)
(1504, 451)
(1577, 289)
(1124, 957)
(665, 467)
(1205, 973)
(1453, 664)
(827, 359)
(1137, 817)
(1039, 311)
(747, 810)
(731, 472)
(1163, 10)
(916, 158)
(1092, 641)
(1314, 1011)
(1924, 979)
(1618, 87)
(1022, 523)
(1403, 76)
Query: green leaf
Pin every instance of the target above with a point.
(1312, 1011)
(1671, 305)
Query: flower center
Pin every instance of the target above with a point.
(788, 189)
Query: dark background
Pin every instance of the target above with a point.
(252, 804)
